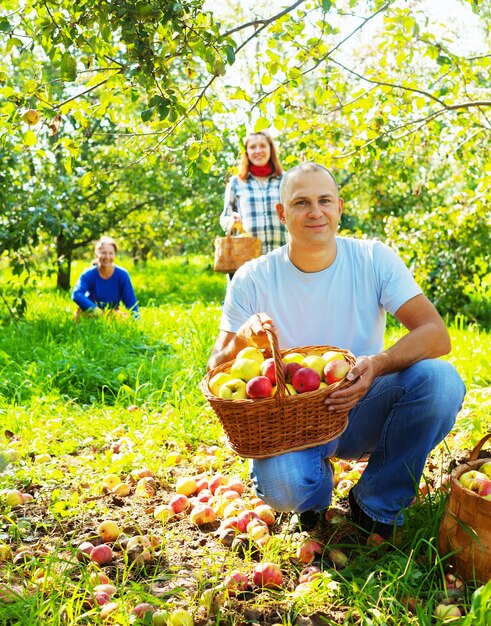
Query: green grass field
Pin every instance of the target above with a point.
(79, 402)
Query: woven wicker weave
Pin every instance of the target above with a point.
(232, 252)
(465, 530)
(283, 423)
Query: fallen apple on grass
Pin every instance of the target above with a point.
(179, 503)
(202, 514)
(445, 611)
(186, 485)
(109, 530)
(236, 582)
(307, 550)
(102, 555)
(267, 575)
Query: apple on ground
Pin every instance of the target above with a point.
(121, 490)
(244, 517)
(268, 368)
(453, 582)
(317, 363)
(180, 617)
(236, 582)
(237, 485)
(259, 387)
(333, 355)
(444, 611)
(293, 357)
(109, 530)
(142, 609)
(13, 497)
(179, 503)
(186, 485)
(306, 379)
(108, 609)
(215, 481)
(234, 389)
(202, 514)
(102, 554)
(217, 381)
(245, 369)
(164, 512)
(335, 371)
(267, 575)
(307, 550)
(138, 540)
(338, 558)
(251, 352)
(309, 573)
(265, 513)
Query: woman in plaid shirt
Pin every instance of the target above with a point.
(251, 196)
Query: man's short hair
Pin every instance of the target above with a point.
(308, 166)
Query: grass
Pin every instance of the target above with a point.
(102, 397)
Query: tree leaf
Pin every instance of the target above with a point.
(261, 124)
(68, 67)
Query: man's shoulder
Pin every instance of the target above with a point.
(357, 245)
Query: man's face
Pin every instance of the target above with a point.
(311, 207)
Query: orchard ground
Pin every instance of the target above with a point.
(83, 401)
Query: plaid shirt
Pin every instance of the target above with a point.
(256, 202)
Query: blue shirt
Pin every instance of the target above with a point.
(92, 290)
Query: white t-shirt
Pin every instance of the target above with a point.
(344, 305)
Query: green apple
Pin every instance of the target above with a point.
(332, 355)
(468, 479)
(486, 469)
(245, 369)
(315, 362)
(217, 381)
(234, 389)
(251, 353)
(290, 390)
(293, 357)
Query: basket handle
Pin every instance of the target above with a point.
(477, 448)
(281, 390)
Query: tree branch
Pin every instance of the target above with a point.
(263, 22)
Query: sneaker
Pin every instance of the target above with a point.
(308, 520)
(369, 525)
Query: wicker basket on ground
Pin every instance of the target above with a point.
(283, 423)
(465, 530)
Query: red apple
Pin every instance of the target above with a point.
(179, 503)
(268, 369)
(142, 609)
(259, 387)
(101, 554)
(291, 368)
(335, 371)
(215, 481)
(244, 518)
(202, 514)
(484, 488)
(306, 379)
(265, 513)
(307, 550)
(308, 574)
(267, 575)
(453, 582)
(237, 485)
(236, 582)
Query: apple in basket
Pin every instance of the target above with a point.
(291, 368)
(335, 371)
(217, 381)
(317, 363)
(486, 469)
(306, 379)
(333, 355)
(251, 352)
(268, 368)
(245, 369)
(259, 387)
(234, 389)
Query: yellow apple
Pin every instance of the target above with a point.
(293, 357)
(290, 390)
(245, 369)
(315, 362)
(486, 469)
(251, 353)
(332, 355)
(217, 381)
(234, 389)
(323, 385)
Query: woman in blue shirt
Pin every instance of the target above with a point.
(105, 285)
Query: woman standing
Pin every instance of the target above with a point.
(251, 196)
(104, 285)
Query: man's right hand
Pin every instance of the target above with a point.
(253, 331)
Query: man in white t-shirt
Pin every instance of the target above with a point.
(322, 289)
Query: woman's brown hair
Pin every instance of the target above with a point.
(274, 160)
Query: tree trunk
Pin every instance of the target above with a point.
(64, 251)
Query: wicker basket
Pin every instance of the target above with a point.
(465, 530)
(283, 423)
(233, 251)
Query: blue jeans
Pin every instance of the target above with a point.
(402, 417)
